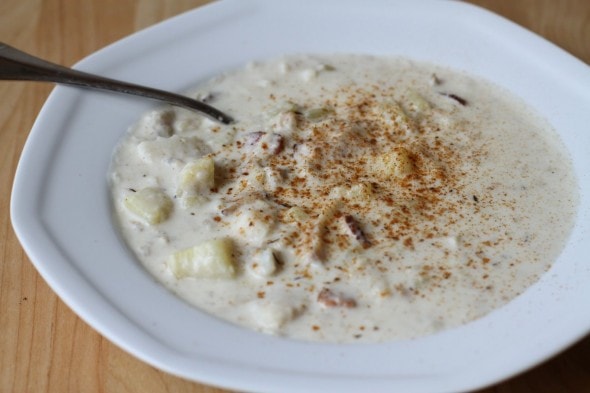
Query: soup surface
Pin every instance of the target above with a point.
(355, 199)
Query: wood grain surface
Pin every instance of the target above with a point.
(44, 347)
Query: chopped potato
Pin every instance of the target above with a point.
(255, 220)
(173, 151)
(359, 192)
(285, 121)
(151, 204)
(270, 316)
(264, 263)
(397, 163)
(210, 259)
(296, 214)
(197, 177)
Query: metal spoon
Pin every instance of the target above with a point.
(17, 65)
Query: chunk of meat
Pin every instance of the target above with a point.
(356, 231)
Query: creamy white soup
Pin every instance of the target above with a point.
(355, 198)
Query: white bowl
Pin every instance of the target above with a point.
(62, 214)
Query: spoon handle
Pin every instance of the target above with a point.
(18, 65)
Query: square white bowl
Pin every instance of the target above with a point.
(61, 207)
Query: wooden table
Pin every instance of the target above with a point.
(44, 347)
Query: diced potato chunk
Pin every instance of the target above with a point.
(359, 192)
(171, 151)
(151, 204)
(270, 316)
(285, 121)
(296, 214)
(397, 162)
(197, 177)
(210, 259)
(264, 263)
(255, 221)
